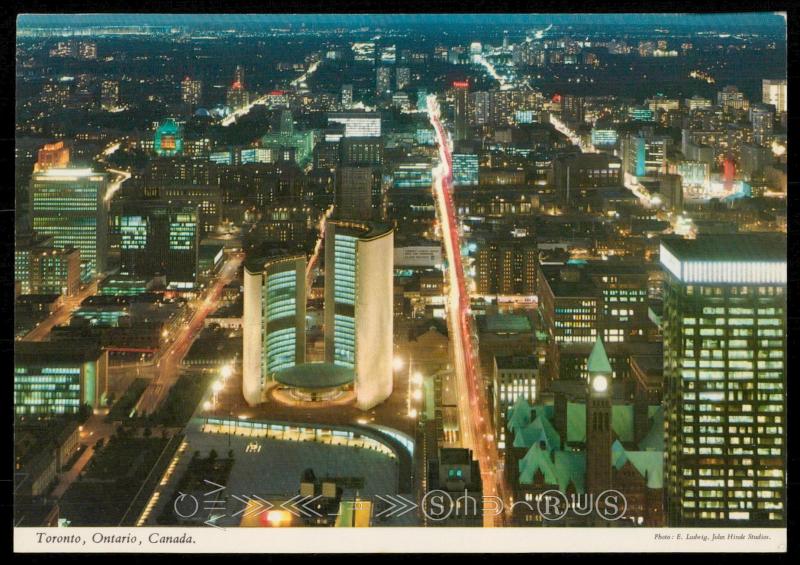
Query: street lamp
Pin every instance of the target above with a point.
(397, 363)
(226, 372)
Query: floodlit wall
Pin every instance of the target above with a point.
(251, 337)
(374, 320)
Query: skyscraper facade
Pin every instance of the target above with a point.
(461, 91)
(347, 96)
(774, 92)
(191, 91)
(358, 318)
(69, 206)
(724, 328)
(160, 238)
(383, 80)
(274, 336)
(109, 94)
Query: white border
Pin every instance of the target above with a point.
(406, 540)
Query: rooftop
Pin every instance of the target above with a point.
(516, 361)
(729, 247)
(507, 323)
(315, 375)
(46, 351)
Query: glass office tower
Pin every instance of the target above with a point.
(68, 205)
(724, 331)
(160, 238)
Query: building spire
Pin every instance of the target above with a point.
(598, 360)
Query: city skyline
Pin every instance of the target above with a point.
(401, 270)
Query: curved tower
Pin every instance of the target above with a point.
(274, 318)
(359, 305)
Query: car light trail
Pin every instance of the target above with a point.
(298, 82)
(473, 405)
(317, 246)
(114, 187)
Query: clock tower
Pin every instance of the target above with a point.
(598, 422)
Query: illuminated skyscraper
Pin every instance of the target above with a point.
(109, 95)
(191, 91)
(383, 81)
(69, 205)
(506, 267)
(762, 118)
(347, 95)
(465, 169)
(160, 238)
(460, 110)
(572, 109)
(731, 99)
(55, 271)
(357, 124)
(724, 328)
(402, 77)
(774, 92)
(274, 320)
(238, 76)
(237, 96)
(359, 258)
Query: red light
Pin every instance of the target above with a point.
(237, 85)
(461, 84)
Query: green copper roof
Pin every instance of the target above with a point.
(529, 423)
(654, 440)
(571, 468)
(566, 467)
(519, 415)
(649, 464)
(617, 454)
(562, 468)
(537, 431)
(598, 360)
(537, 459)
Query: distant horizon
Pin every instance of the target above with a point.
(683, 20)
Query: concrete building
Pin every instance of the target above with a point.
(274, 324)
(513, 377)
(359, 263)
(58, 378)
